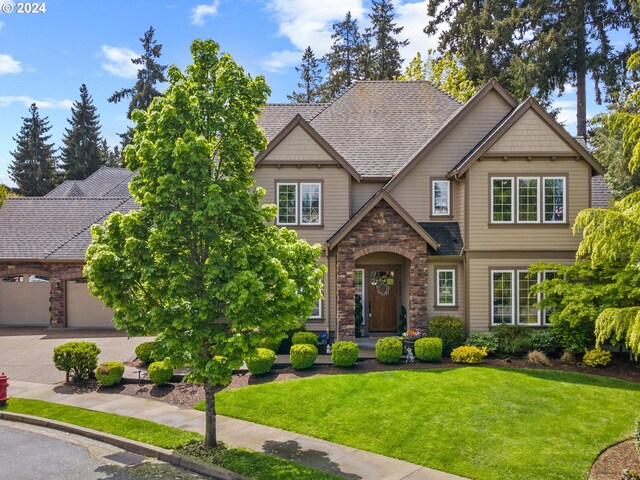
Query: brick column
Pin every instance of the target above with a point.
(58, 310)
(417, 311)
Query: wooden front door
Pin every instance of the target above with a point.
(383, 287)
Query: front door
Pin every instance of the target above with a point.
(382, 298)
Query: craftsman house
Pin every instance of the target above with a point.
(418, 201)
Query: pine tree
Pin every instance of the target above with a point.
(386, 48)
(311, 79)
(33, 168)
(144, 90)
(342, 60)
(82, 151)
(112, 157)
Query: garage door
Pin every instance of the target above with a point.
(85, 310)
(24, 300)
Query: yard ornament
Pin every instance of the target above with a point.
(410, 356)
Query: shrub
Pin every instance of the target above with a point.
(303, 355)
(574, 338)
(270, 343)
(597, 358)
(544, 340)
(261, 361)
(483, 339)
(145, 352)
(513, 339)
(538, 359)
(428, 349)
(307, 338)
(449, 329)
(344, 354)
(389, 350)
(109, 373)
(76, 359)
(467, 354)
(160, 373)
(628, 474)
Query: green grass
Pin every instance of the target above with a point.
(256, 465)
(482, 423)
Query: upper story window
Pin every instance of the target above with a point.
(528, 199)
(299, 203)
(441, 198)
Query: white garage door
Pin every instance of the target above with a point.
(85, 310)
(24, 300)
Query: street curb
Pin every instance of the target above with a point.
(133, 446)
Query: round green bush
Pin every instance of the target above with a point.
(145, 353)
(303, 355)
(449, 329)
(389, 350)
(78, 359)
(308, 338)
(109, 373)
(160, 373)
(261, 361)
(271, 343)
(344, 354)
(428, 349)
(597, 358)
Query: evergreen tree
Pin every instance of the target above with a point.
(82, 151)
(33, 168)
(112, 157)
(342, 60)
(144, 90)
(366, 60)
(386, 47)
(311, 79)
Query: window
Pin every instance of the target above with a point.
(12, 279)
(441, 197)
(359, 284)
(299, 203)
(527, 311)
(501, 296)
(511, 299)
(38, 278)
(548, 275)
(502, 200)
(554, 199)
(317, 310)
(445, 296)
(527, 200)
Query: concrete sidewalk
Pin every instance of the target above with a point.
(331, 457)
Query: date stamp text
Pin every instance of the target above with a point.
(23, 7)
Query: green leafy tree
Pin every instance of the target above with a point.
(310, 80)
(445, 72)
(4, 192)
(201, 263)
(82, 152)
(33, 168)
(386, 47)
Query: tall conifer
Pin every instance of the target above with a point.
(386, 47)
(310, 79)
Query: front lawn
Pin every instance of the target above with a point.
(483, 423)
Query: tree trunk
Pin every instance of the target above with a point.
(581, 70)
(210, 439)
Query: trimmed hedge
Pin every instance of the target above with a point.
(303, 355)
(308, 338)
(449, 329)
(344, 354)
(467, 354)
(597, 358)
(389, 350)
(261, 361)
(109, 373)
(271, 344)
(77, 359)
(428, 349)
(145, 352)
(160, 373)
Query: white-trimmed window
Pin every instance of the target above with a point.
(441, 197)
(502, 304)
(554, 199)
(13, 279)
(446, 287)
(317, 310)
(528, 199)
(38, 279)
(358, 280)
(502, 200)
(299, 203)
(528, 205)
(548, 275)
(527, 313)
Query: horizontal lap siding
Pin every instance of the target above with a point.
(362, 192)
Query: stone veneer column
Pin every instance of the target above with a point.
(345, 283)
(58, 306)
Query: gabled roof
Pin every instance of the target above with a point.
(503, 127)
(275, 116)
(367, 207)
(448, 236)
(299, 121)
(491, 86)
(104, 182)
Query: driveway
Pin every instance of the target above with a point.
(26, 354)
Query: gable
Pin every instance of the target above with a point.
(530, 133)
(298, 147)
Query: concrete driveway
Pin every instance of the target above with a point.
(26, 354)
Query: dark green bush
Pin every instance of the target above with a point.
(344, 354)
(109, 373)
(544, 340)
(270, 343)
(146, 352)
(483, 339)
(308, 338)
(261, 361)
(389, 350)
(77, 359)
(513, 339)
(303, 355)
(449, 329)
(160, 373)
(574, 338)
(428, 349)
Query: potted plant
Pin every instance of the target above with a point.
(359, 318)
(409, 339)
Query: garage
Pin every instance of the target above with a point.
(85, 310)
(24, 300)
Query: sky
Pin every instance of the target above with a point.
(46, 56)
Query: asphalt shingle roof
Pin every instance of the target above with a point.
(276, 116)
(105, 182)
(600, 193)
(447, 234)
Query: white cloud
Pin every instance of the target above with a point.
(413, 17)
(9, 65)
(199, 13)
(567, 114)
(278, 62)
(2, 24)
(118, 61)
(45, 103)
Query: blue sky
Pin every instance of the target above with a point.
(45, 57)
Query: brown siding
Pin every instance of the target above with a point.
(298, 146)
(361, 192)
